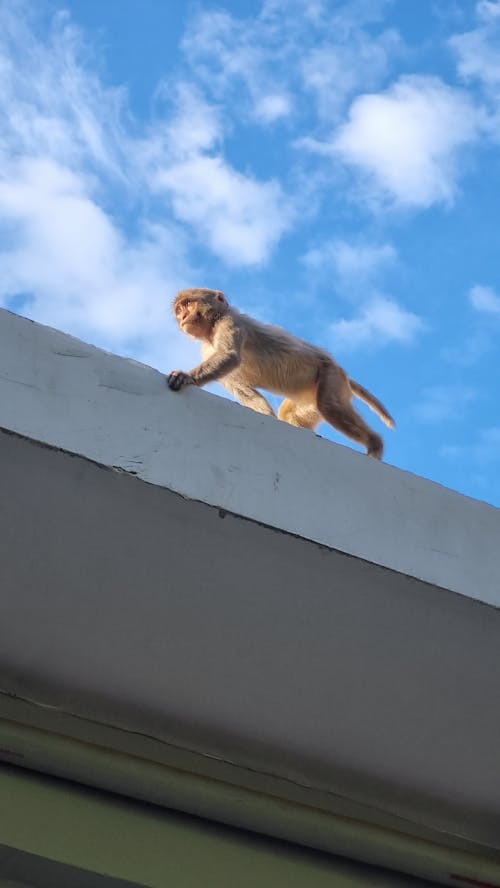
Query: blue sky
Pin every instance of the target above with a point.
(332, 166)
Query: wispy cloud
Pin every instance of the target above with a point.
(270, 65)
(442, 403)
(356, 270)
(478, 62)
(62, 147)
(483, 449)
(484, 299)
(477, 51)
(354, 264)
(240, 59)
(380, 321)
(52, 102)
(101, 214)
(70, 151)
(407, 140)
(356, 60)
(239, 217)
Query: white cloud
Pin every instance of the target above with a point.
(69, 152)
(443, 403)
(237, 216)
(342, 15)
(305, 10)
(488, 10)
(380, 321)
(478, 60)
(50, 103)
(338, 68)
(80, 271)
(227, 53)
(355, 270)
(269, 64)
(485, 299)
(190, 125)
(354, 264)
(408, 139)
(272, 106)
(65, 156)
(477, 51)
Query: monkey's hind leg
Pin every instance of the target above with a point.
(250, 397)
(334, 404)
(303, 416)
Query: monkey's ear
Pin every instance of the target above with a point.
(220, 297)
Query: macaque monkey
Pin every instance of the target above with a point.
(245, 355)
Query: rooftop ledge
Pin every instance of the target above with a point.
(59, 390)
(271, 613)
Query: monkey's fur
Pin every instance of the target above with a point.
(245, 355)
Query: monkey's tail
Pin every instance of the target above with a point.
(372, 402)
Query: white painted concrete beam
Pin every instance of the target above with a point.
(66, 393)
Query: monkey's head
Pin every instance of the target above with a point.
(197, 310)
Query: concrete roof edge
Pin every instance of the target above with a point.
(61, 391)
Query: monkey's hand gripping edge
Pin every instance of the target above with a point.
(177, 379)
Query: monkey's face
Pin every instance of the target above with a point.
(191, 318)
(196, 311)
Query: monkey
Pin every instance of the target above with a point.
(246, 355)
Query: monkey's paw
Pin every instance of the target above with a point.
(177, 378)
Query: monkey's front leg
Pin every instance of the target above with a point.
(219, 364)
